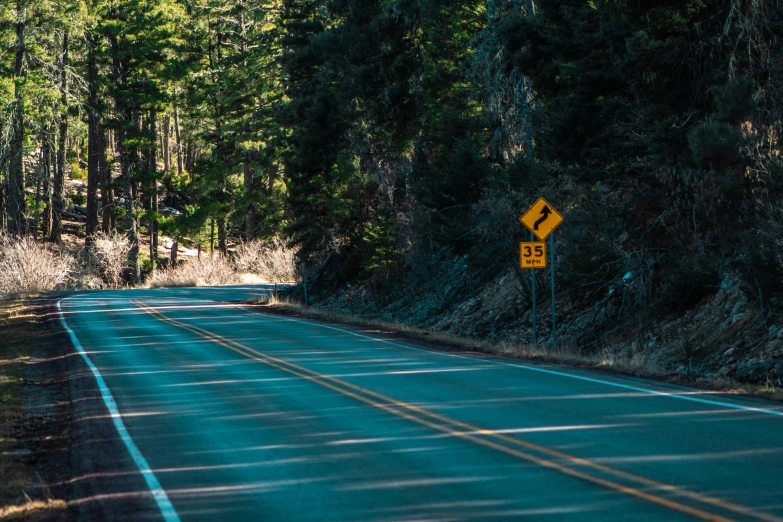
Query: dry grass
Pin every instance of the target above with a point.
(28, 267)
(110, 253)
(12, 471)
(272, 261)
(31, 510)
(204, 271)
(252, 279)
(255, 262)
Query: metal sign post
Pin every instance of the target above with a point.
(534, 319)
(542, 219)
(554, 316)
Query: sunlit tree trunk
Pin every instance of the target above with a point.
(36, 213)
(16, 200)
(249, 179)
(179, 141)
(166, 143)
(211, 236)
(3, 200)
(58, 197)
(107, 194)
(128, 159)
(153, 168)
(93, 145)
(46, 153)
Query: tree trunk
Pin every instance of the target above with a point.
(166, 144)
(36, 213)
(16, 200)
(93, 145)
(189, 156)
(153, 170)
(46, 154)
(134, 272)
(211, 236)
(128, 159)
(3, 214)
(174, 248)
(179, 141)
(107, 190)
(58, 198)
(222, 236)
(251, 210)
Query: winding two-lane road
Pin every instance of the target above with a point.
(227, 413)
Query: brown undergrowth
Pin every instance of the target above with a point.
(562, 354)
(32, 445)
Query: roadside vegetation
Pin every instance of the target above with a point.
(254, 262)
(28, 267)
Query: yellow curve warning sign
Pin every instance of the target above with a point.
(541, 219)
(532, 255)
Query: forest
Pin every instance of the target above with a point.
(395, 143)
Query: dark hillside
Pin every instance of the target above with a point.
(652, 127)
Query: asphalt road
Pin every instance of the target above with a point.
(231, 414)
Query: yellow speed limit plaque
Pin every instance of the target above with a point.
(532, 255)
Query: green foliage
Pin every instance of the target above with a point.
(369, 86)
(78, 198)
(77, 172)
(380, 242)
(381, 133)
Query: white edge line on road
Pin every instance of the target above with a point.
(542, 370)
(158, 493)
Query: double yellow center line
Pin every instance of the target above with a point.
(584, 469)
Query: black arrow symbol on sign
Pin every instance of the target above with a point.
(544, 215)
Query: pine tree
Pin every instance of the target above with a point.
(140, 34)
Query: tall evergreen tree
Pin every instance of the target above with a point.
(139, 34)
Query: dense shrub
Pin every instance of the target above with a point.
(27, 267)
(203, 271)
(110, 253)
(272, 261)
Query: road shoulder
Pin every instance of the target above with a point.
(440, 342)
(35, 423)
(60, 455)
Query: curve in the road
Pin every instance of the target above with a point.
(478, 435)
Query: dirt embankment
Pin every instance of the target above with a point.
(727, 341)
(35, 421)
